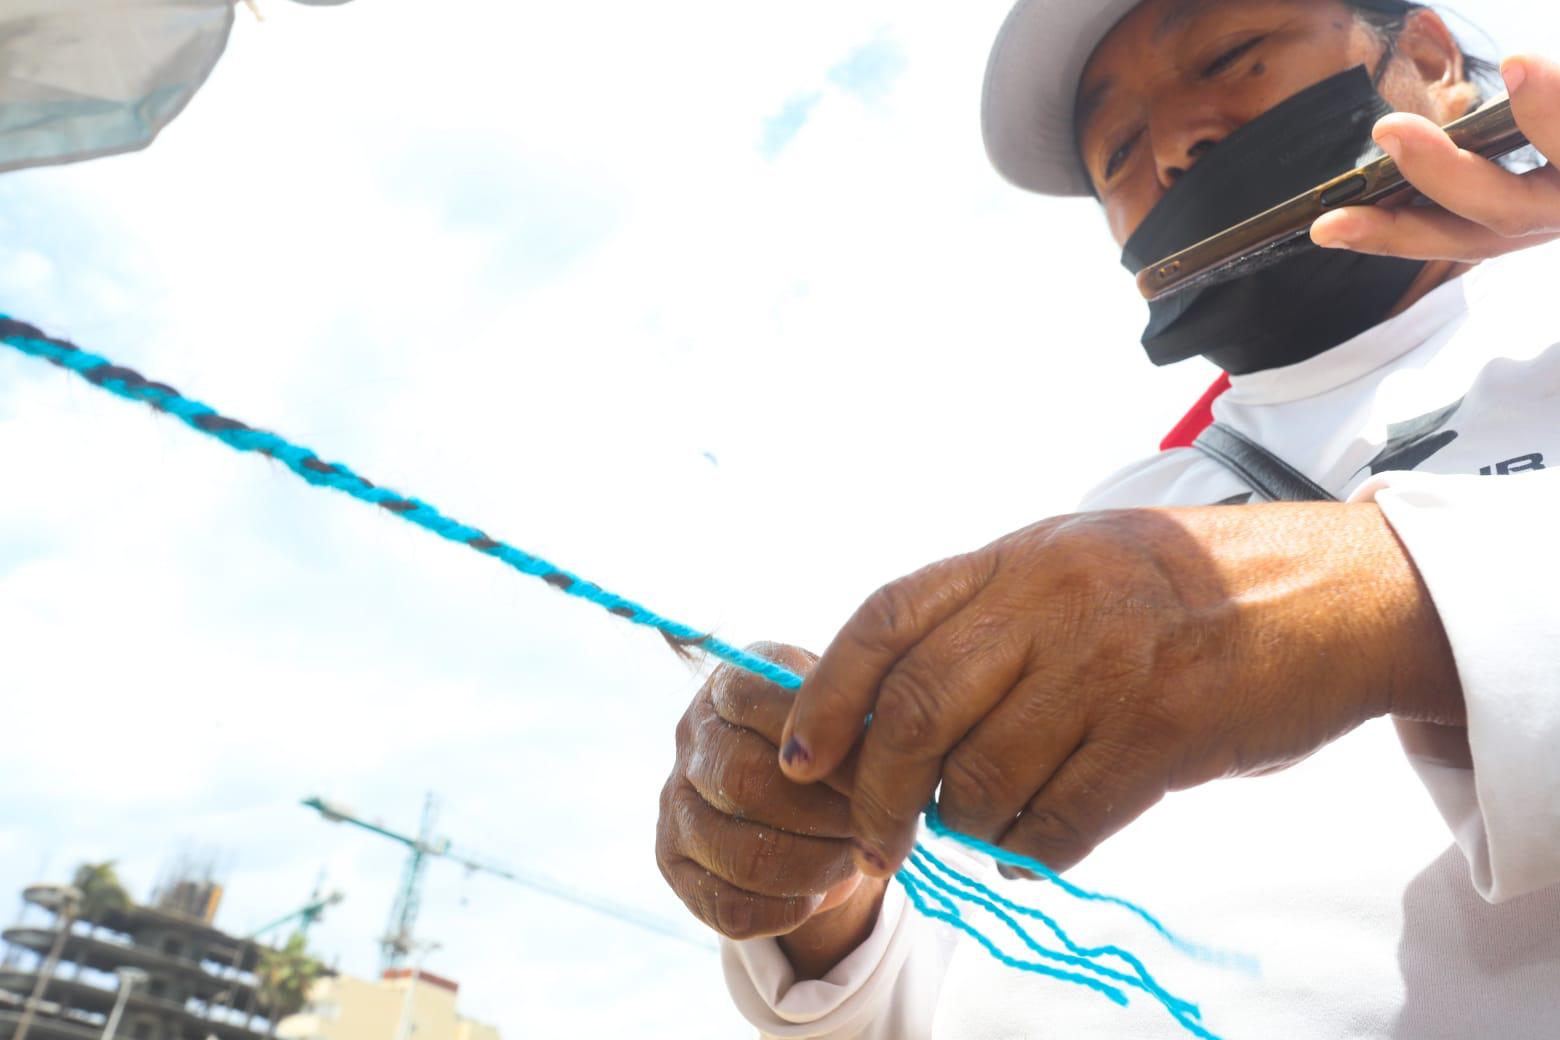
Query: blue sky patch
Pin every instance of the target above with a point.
(785, 124)
(871, 70)
(869, 73)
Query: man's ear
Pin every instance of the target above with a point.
(1436, 58)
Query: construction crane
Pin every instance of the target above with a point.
(398, 942)
(307, 915)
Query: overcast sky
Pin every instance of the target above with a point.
(717, 304)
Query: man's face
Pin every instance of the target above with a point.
(1176, 77)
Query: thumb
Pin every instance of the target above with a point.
(839, 894)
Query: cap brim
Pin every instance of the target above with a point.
(1032, 88)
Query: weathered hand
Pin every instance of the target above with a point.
(1058, 682)
(1484, 210)
(750, 852)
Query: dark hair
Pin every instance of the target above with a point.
(1387, 18)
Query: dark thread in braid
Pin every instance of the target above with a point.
(215, 423)
(684, 648)
(12, 327)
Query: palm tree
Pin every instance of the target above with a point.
(286, 973)
(102, 893)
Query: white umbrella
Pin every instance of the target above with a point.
(86, 78)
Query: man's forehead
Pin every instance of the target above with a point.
(1170, 16)
(1181, 13)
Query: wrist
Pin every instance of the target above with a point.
(1423, 683)
(1321, 600)
(830, 935)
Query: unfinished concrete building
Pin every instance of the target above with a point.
(155, 972)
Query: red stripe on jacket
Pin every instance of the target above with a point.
(1198, 419)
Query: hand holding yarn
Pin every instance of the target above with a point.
(750, 852)
(706, 848)
(1057, 683)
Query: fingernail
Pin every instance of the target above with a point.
(1326, 239)
(1325, 233)
(794, 754)
(1515, 74)
(1011, 873)
(871, 859)
(1392, 144)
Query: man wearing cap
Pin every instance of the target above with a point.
(1051, 688)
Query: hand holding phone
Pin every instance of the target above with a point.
(1491, 131)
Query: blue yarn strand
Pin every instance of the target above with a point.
(1185, 1013)
(1197, 951)
(939, 873)
(931, 879)
(934, 892)
(949, 914)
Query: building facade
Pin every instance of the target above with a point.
(405, 1004)
(190, 981)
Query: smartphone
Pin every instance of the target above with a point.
(1491, 131)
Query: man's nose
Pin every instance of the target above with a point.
(1180, 142)
(1170, 173)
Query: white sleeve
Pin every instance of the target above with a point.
(1485, 547)
(886, 989)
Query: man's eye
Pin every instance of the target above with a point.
(1120, 155)
(1231, 56)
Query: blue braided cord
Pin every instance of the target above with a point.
(306, 464)
(949, 914)
(939, 873)
(1223, 958)
(341, 478)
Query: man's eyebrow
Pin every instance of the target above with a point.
(1090, 100)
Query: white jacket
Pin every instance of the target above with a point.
(1338, 873)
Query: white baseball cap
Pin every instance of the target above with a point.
(1031, 90)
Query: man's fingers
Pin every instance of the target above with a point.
(752, 702)
(832, 706)
(746, 700)
(1463, 182)
(755, 857)
(1534, 85)
(1416, 233)
(732, 911)
(926, 704)
(733, 769)
(1103, 787)
(1501, 211)
(1008, 757)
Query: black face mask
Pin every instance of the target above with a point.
(1296, 303)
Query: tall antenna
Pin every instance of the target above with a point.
(398, 940)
